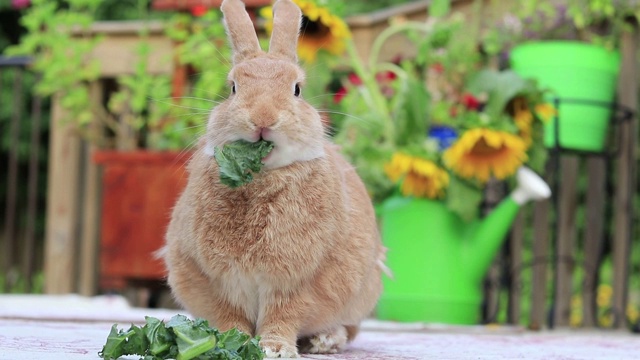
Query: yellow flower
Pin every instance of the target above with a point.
(399, 166)
(420, 177)
(604, 294)
(545, 111)
(480, 153)
(321, 30)
(523, 120)
(632, 314)
(575, 318)
(606, 320)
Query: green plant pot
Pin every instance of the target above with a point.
(429, 283)
(573, 70)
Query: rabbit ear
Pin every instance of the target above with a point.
(286, 26)
(240, 30)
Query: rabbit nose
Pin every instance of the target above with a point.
(263, 115)
(263, 122)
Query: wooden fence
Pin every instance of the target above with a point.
(598, 188)
(21, 162)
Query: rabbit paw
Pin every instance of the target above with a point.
(329, 342)
(278, 349)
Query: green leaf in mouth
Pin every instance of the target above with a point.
(240, 160)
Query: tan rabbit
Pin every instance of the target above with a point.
(295, 255)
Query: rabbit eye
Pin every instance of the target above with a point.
(233, 88)
(296, 90)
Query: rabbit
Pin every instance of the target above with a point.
(294, 256)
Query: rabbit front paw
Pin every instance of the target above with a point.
(329, 342)
(278, 349)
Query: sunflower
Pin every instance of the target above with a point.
(420, 177)
(545, 111)
(523, 119)
(321, 30)
(481, 152)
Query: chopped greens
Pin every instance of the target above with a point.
(182, 339)
(239, 160)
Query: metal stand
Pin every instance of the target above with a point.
(619, 114)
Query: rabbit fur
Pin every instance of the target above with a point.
(294, 256)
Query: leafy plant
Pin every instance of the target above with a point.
(60, 58)
(599, 22)
(239, 160)
(141, 113)
(202, 49)
(492, 120)
(180, 338)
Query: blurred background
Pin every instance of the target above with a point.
(437, 104)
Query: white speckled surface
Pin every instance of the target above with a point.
(73, 327)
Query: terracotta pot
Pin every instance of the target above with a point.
(139, 190)
(189, 4)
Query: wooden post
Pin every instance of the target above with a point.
(625, 176)
(516, 241)
(540, 267)
(90, 215)
(493, 194)
(541, 256)
(61, 238)
(565, 247)
(593, 236)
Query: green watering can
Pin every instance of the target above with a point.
(439, 261)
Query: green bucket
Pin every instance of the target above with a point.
(429, 281)
(573, 70)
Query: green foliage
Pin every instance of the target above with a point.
(239, 160)
(60, 41)
(600, 22)
(393, 114)
(12, 102)
(180, 338)
(126, 10)
(461, 194)
(59, 57)
(14, 283)
(589, 16)
(352, 7)
(201, 46)
(439, 8)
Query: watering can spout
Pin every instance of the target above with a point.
(491, 231)
(530, 187)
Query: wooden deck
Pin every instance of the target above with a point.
(72, 327)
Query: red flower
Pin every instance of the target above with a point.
(198, 10)
(386, 76)
(438, 68)
(470, 101)
(20, 4)
(342, 92)
(354, 79)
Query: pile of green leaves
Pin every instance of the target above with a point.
(180, 338)
(239, 160)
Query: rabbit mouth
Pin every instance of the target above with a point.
(266, 158)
